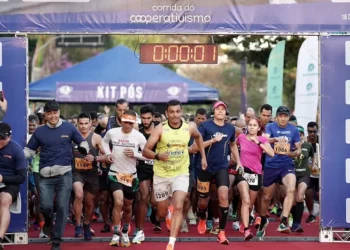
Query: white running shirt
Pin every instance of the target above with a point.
(122, 163)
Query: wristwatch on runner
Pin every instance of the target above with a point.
(156, 157)
(259, 143)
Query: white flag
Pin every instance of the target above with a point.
(306, 88)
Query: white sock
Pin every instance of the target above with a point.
(172, 240)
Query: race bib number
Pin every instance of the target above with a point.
(161, 195)
(203, 187)
(252, 179)
(151, 162)
(125, 179)
(81, 164)
(282, 148)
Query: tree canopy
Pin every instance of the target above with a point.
(257, 50)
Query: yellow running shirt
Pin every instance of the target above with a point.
(175, 142)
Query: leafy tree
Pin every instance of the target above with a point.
(226, 78)
(257, 50)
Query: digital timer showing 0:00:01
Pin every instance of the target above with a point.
(179, 53)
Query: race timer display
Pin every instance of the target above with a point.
(165, 53)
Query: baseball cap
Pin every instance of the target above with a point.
(283, 110)
(217, 104)
(301, 129)
(292, 118)
(51, 105)
(5, 130)
(128, 118)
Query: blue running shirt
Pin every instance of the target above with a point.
(291, 133)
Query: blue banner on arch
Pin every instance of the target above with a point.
(13, 58)
(168, 16)
(335, 132)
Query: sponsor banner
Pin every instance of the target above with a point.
(168, 16)
(306, 89)
(335, 132)
(275, 76)
(13, 110)
(101, 92)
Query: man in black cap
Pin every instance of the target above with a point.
(55, 141)
(13, 172)
(285, 139)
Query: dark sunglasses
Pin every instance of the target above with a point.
(312, 131)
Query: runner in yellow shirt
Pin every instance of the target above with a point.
(171, 165)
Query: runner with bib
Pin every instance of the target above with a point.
(122, 174)
(219, 138)
(144, 174)
(85, 176)
(252, 145)
(171, 165)
(105, 124)
(285, 140)
(302, 173)
(313, 189)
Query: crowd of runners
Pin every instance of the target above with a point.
(173, 169)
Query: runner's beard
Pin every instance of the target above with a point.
(148, 126)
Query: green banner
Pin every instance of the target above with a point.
(275, 76)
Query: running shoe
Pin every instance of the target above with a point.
(222, 238)
(115, 240)
(125, 241)
(140, 236)
(202, 226)
(262, 229)
(248, 235)
(296, 228)
(184, 227)
(282, 228)
(78, 231)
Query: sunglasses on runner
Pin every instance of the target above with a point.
(312, 131)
